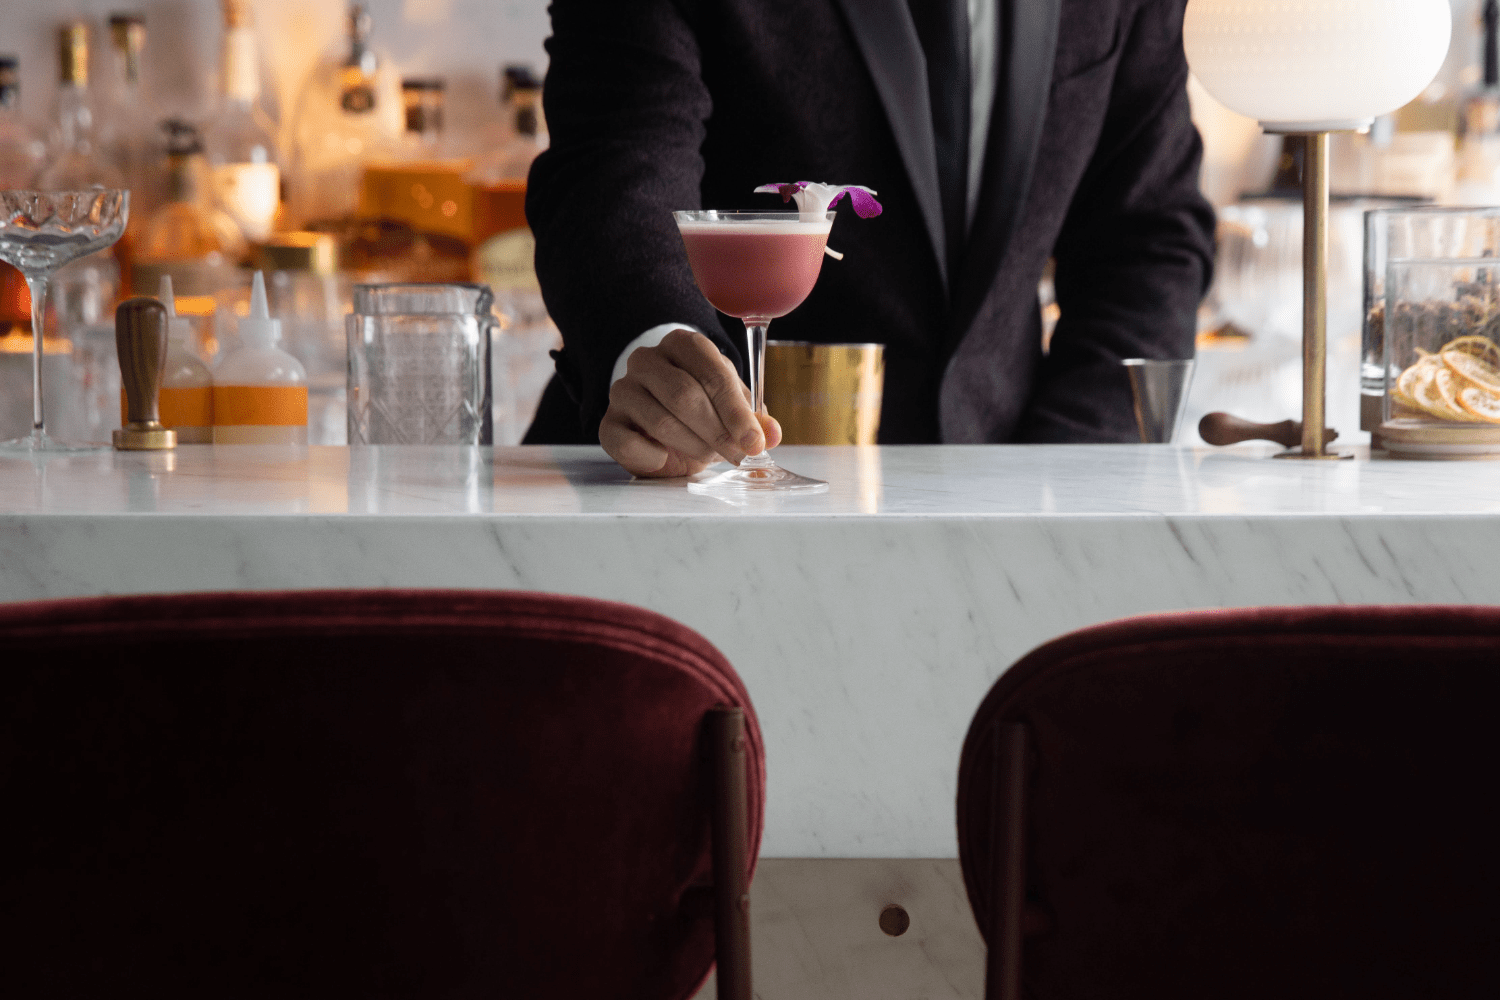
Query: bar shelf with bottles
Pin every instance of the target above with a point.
(353, 181)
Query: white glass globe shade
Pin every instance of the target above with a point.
(1316, 65)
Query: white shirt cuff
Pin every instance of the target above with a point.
(650, 338)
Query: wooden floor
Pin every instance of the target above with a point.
(817, 931)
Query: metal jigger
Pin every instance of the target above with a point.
(141, 339)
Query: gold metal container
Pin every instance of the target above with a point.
(825, 393)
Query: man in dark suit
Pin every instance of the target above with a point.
(1072, 113)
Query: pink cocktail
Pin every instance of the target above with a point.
(756, 270)
(756, 267)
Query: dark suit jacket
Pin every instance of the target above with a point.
(656, 105)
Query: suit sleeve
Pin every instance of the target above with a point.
(1135, 253)
(626, 107)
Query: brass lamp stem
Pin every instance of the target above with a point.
(1314, 290)
(1314, 297)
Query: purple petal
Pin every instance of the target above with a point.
(785, 190)
(865, 205)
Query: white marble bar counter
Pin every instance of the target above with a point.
(867, 623)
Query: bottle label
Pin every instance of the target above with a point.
(358, 100)
(260, 405)
(507, 261)
(179, 409)
(250, 193)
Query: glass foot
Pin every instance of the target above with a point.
(40, 442)
(756, 475)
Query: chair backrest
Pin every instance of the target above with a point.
(377, 794)
(1274, 802)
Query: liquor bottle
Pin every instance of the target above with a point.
(348, 114)
(22, 154)
(240, 140)
(504, 245)
(416, 208)
(189, 237)
(22, 149)
(125, 131)
(503, 259)
(1479, 124)
(126, 134)
(77, 161)
(260, 391)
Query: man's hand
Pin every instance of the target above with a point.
(680, 407)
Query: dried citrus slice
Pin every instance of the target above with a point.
(1447, 385)
(1407, 381)
(1473, 370)
(1406, 388)
(1480, 403)
(1482, 348)
(1426, 394)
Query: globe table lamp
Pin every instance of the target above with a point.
(1307, 68)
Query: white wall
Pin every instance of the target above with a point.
(465, 41)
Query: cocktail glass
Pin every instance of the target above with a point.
(40, 231)
(756, 267)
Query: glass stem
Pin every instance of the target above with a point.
(38, 287)
(755, 335)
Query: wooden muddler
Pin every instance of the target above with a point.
(141, 340)
(1223, 428)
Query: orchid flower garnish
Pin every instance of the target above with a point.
(818, 198)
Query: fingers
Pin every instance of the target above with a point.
(771, 428)
(728, 419)
(640, 455)
(651, 418)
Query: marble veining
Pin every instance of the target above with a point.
(867, 623)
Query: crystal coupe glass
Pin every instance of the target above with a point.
(756, 267)
(40, 231)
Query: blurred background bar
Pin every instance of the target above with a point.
(395, 136)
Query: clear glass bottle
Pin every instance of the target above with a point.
(503, 258)
(22, 149)
(125, 131)
(240, 140)
(504, 247)
(417, 208)
(310, 297)
(189, 237)
(1479, 124)
(260, 391)
(23, 152)
(349, 113)
(77, 159)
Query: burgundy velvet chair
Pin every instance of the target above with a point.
(1289, 803)
(371, 794)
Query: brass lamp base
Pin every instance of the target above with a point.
(1327, 456)
(145, 436)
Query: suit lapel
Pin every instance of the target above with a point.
(887, 39)
(1028, 41)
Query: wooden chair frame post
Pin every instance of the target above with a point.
(731, 852)
(1007, 889)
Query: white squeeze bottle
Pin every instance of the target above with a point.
(260, 391)
(186, 400)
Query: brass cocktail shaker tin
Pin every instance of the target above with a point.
(825, 393)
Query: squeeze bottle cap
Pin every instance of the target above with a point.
(179, 330)
(258, 329)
